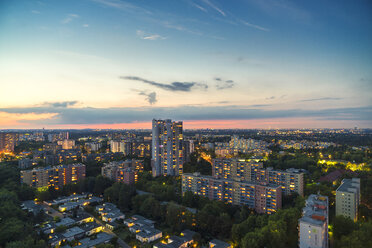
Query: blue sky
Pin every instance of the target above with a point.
(273, 62)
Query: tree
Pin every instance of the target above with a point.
(343, 226)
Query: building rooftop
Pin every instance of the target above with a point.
(216, 243)
(348, 184)
(148, 232)
(101, 238)
(66, 222)
(72, 232)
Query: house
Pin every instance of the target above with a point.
(66, 222)
(215, 243)
(65, 199)
(102, 238)
(32, 207)
(91, 228)
(139, 221)
(82, 217)
(184, 240)
(69, 206)
(112, 225)
(48, 228)
(109, 212)
(73, 233)
(55, 239)
(148, 234)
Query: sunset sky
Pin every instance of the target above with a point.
(210, 63)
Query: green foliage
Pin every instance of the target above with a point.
(277, 230)
(29, 242)
(343, 226)
(121, 195)
(198, 164)
(359, 237)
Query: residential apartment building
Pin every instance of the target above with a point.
(348, 198)
(123, 171)
(7, 142)
(263, 197)
(66, 144)
(291, 180)
(313, 225)
(167, 148)
(56, 176)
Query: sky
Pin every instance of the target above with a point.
(210, 63)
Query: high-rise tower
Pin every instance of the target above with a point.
(167, 148)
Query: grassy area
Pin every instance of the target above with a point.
(123, 233)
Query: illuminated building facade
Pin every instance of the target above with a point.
(313, 226)
(126, 175)
(7, 142)
(66, 144)
(123, 171)
(167, 148)
(56, 176)
(348, 198)
(291, 180)
(264, 198)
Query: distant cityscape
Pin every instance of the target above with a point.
(122, 188)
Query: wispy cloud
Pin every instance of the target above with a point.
(145, 36)
(150, 96)
(174, 86)
(88, 115)
(121, 5)
(36, 12)
(85, 25)
(322, 99)
(224, 84)
(64, 104)
(213, 6)
(255, 26)
(69, 18)
(197, 6)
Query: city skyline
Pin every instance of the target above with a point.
(210, 63)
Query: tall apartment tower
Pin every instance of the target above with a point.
(167, 148)
(313, 226)
(7, 142)
(348, 198)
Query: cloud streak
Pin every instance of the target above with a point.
(174, 86)
(213, 6)
(322, 99)
(64, 104)
(69, 18)
(144, 36)
(129, 115)
(255, 26)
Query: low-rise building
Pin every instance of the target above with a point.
(216, 243)
(73, 233)
(91, 228)
(109, 212)
(102, 238)
(143, 228)
(148, 234)
(184, 240)
(32, 207)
